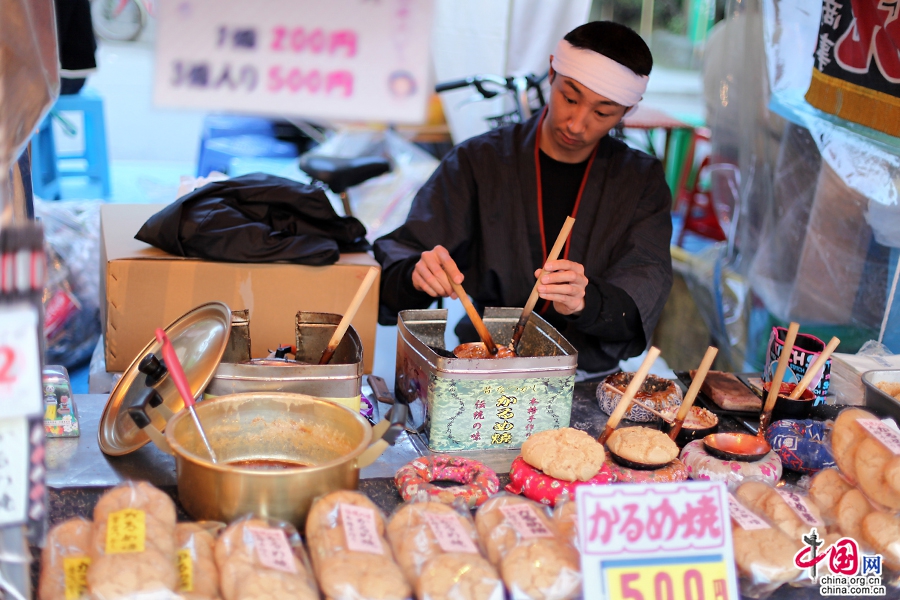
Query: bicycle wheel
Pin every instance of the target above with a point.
(118, 20)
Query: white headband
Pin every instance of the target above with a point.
(599, 73)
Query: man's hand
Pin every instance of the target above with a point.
(563, 285)
(430, 276)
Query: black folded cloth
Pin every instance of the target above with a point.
(255, 218)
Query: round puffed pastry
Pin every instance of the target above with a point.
(765, 555)
(567, 454)
(565, 515)
(850, 512)
(846, 435)
(204, 574)
(542, 569)
(642, 445)
(69, 539)
(413, 540)
(826, 490)
(355, 575)
(123, 574)
(766, 502)
(870, 462)
(498, 536)
(892, 473)
(242, 576)
(459, 577)
(325, 513)
(882, 532)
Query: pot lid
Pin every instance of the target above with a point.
(199, 338)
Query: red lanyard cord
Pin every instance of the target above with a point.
(540, 191)
(540, 196)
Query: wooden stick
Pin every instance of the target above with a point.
(625, 401)
(482, 329)
(355, 303)
(693, 390)
(650, 409)
(814, 368)
(533, 298)
(775, 388)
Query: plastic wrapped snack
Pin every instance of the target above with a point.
(352, 560)
(437, 548)
(787, 510)
(534, 561)
(133, 548)
(565, 516)
(195, 544)
(65, 561)
(263, 559)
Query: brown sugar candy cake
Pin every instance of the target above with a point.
(846, 435)
(642, 445)
(243, 576)
(764, 555)
(121, 574)
(435, 572)
(881, 532)
(870, 461)
(69, 540)
(826, 490)
(534, 568)
(566, 453)
(344, 573)
(195, 543)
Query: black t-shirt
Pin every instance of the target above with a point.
(560, 183)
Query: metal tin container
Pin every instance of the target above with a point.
(340, 380)
(485, 403)
(878, 399)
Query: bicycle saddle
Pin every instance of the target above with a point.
(342, 173)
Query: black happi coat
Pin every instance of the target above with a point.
(481, 204)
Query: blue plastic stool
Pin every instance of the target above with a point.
(44, 172)
(217, 126)
(92, 162)
(218, 152)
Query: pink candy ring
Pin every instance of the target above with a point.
(478, 481)
(674, 471)
(540, 487)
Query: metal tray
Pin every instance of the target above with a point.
(878, 401)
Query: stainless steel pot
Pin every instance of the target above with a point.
(332, 441)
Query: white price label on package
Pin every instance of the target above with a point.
(14, 464)
(20, 362)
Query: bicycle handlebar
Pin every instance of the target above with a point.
(452, 85)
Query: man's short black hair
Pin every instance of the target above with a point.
(618, 42)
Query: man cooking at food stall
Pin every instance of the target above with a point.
(493, 208)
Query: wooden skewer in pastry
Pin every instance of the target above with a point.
(775, 388)
(625, 401)
(342, 327)
(482, 329)
(692, 392)
(533, 298)
(814, 368)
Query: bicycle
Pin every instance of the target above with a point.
(525, 91)
(120, 20)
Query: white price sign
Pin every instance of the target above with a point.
(359, 60)
(661, 540)
(20, 362)
(13, 470)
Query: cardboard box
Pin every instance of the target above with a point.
(146, 288)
